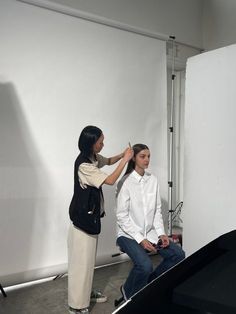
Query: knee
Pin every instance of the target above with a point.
(180, 255)
(146, 267)
(177, 254)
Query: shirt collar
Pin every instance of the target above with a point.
(139, 178)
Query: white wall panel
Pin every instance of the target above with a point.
(58, 74)
(210, 151)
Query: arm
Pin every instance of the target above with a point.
(123, 214)
(114, 159)
(158, 220)
(111, 179)
(157, 224)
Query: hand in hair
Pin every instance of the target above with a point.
(128, 154)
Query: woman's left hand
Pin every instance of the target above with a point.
(165, 240)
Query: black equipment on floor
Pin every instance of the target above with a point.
(205, 283)
(3, 291)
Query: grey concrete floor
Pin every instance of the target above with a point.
(51, 296)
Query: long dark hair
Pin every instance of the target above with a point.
(131, 164)
(88, 137)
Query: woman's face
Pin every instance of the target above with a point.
(97, 147)
(142, 159)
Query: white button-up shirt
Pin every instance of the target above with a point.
(138, 208)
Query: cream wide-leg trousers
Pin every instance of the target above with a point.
(82, 248)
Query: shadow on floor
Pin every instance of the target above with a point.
(51, 296)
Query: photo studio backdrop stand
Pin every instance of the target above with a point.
(171, 142)
(172, 213)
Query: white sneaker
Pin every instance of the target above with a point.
(98, 297)
(81, 311)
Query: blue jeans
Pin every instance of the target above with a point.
(142, 272)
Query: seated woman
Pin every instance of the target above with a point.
(140, 224)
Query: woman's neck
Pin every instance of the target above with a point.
(93, 157)
(140, 171)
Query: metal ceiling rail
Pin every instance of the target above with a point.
(59, 8)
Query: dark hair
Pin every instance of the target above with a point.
(88, 137)
(131, 164)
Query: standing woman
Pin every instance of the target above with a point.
(140, 224)
(86, 209)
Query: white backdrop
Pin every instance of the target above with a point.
(57, 75)
(210, 151)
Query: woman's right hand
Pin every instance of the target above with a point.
(147, 245)
(128, 154)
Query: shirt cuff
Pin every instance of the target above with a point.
(160, 232)
(138, 237)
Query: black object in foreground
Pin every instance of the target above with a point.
(205, 282)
